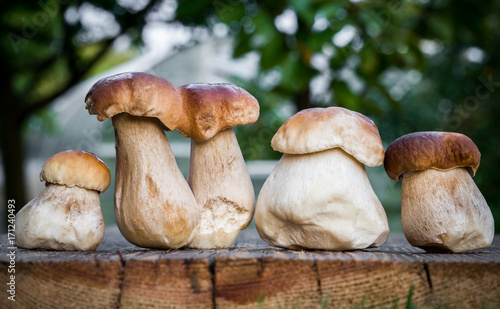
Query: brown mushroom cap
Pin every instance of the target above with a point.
(77, 168)
(318, 129)
(138, 94)
(212, 108)
(425, 150)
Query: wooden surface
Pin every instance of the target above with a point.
(252, 275)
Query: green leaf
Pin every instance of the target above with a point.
(330, 9)
(369, 60)
(317, 40)
(229, 12)
(304, 11)
(442, 27)
(295, 74)
(189, 11)
(344, 96)
(265, 26)
(272, 53)
(242, 45)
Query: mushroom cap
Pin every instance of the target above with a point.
(135, 93)
(318, 129)
(420, 151)
(77, 168)
(212, 108)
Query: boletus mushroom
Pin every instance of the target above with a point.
(67, 214)
(441, 207)
(319, 196)
(154, 206)
(217, 173)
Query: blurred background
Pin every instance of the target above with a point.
(408, 65)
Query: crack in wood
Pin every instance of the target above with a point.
(318, 278)
(260, 266)
(211, 269)
(428, 275)
(96, 260)
(121, 279)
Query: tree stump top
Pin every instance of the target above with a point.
(251, 274)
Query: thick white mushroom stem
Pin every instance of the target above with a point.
(222, 187)
(320, 200)
(154, 206)
(61, 218)
(445, 211)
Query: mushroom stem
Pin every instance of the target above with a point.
(61, 218)
(320, 200)
(222, 187)
(154, 206)
(444, 210)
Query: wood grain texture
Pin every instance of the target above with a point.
(372, 280)
(162, 282)
(251, 274)
(267, 281)
(54, 281)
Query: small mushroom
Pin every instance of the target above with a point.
(217, 173)
(441, 207)
(319, 196)
(67, 214)
(154, 206)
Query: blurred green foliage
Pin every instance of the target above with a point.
(408, 65)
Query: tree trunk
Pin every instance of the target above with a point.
(302, 100)
(12, 159)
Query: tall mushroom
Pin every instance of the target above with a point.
(319, 196)
(441, 207)
(67, 214)
(154, 206)
(217, 172)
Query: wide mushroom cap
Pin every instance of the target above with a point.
(76, 168)
(212, 108)
(138, 94)
(420, 151)
(318, 129)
